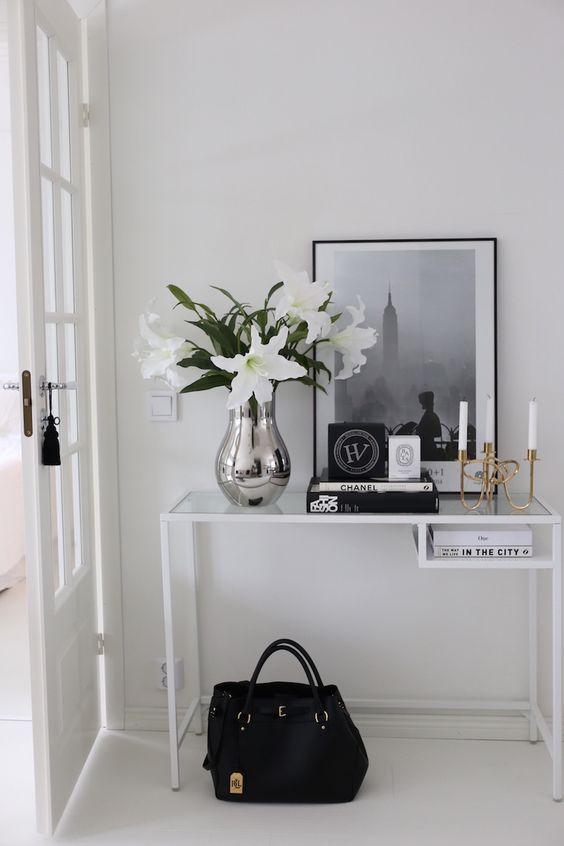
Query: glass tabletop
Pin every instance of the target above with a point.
(294, 502)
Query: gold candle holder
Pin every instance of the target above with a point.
(492, 472)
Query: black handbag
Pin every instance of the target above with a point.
(283, 741)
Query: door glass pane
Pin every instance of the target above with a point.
(70, 353)
(51, 357)
(70, 379)
(44, 97)
(47, 217)
(64, 116)
(72, 412)
(76, 528)
(67, 251)
(57, 543)
(52, 363)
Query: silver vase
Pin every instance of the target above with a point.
(252, 465)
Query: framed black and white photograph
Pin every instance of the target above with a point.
(432, 303)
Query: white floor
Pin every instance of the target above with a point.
(416, 793)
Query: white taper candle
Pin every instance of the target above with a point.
(532, 424)
(489, 420)
(463, 426)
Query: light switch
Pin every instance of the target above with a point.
(162, 406)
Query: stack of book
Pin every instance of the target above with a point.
(482, 542)
(372, 496)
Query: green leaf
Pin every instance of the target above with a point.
(299, 334)
(182, 297)
(201, 359)
(307, 380)
(232, 322)
(335, 317)
(254, 405)
(262, 319)
(318, 365)
(230, 318)
(260, 316)
(209, 311)
(272, 291)
(302, 359)
(223, 339)
(188, 302)
(311, 363)
(219, 379)
(240, 306)
(271, 332)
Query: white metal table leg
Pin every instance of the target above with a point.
(557, 663)
(194, 645)
(533, 655)
(421, 543)
(169, 652)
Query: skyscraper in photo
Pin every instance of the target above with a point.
(390, 352)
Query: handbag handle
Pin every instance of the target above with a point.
(245, 714)
(299, 648)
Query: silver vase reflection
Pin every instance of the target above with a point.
(253, 465)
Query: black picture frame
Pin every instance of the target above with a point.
(446, 336)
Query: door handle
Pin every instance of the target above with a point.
(55, 386)
(26, 400)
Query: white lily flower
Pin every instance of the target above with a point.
(301, 301)
(257, 368)
(351, 340)
(159, 351)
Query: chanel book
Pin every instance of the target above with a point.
(328, 485)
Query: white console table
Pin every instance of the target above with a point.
(197, 508)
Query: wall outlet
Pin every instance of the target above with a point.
(162, 673)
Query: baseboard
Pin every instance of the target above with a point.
(469, 726)
(153, 718)
(443, 726)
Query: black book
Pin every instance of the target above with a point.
(387, 502)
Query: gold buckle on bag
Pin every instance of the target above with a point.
(282, 711)
(326, 715)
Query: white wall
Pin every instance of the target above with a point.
(243, 131)
(8, 334)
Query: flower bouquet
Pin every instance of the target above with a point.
(250, 351)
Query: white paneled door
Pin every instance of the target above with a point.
(48, 133)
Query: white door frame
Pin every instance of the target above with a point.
(103, 376)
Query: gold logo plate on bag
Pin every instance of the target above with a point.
(236, 783)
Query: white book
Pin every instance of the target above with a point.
(384, 486)
(520, 534)
(483, 551)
